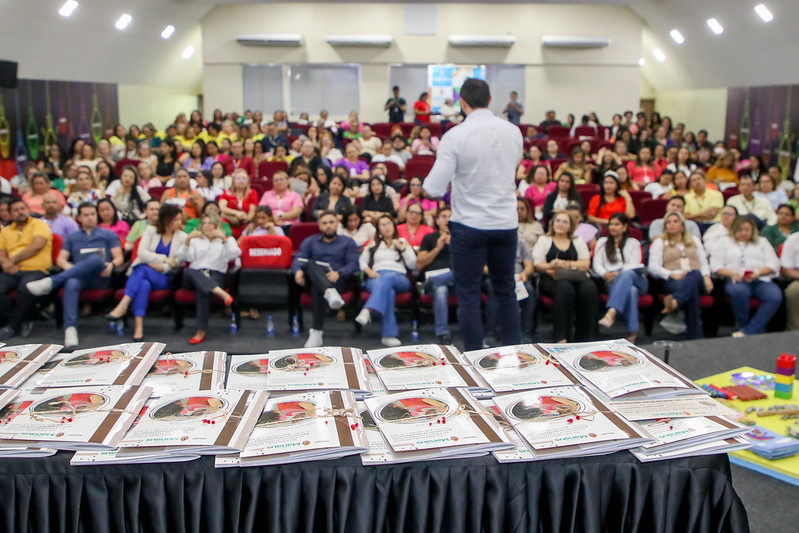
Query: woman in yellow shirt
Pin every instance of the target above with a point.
(724, 169)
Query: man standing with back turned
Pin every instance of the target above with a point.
(480, 157)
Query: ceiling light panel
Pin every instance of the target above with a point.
(123, 21)
(677, 36)
(68, 7)
(764, 13)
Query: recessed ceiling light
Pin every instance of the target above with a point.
(168, 31)
(641, 61)
(68, 7)
(764, 13)
(714, 25)
(187, 52)
(123, 21)
(659, 55)
(677, 36)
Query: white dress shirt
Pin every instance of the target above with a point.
(657, 269)
(790, 252)
(389, 258)
(632, 257)
(479, 157)
(739, 256)
(202, 254)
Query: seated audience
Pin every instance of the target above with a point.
(577, 167)
(425, 144)
(749, 264)
(678, 259)
(643, 171)
(716, 233)
(377, 203)
(206, 188)
(263, 224)
(209, 208)
(748, 202)
(536, 187)
(414, 197)
(434, 260)
(109, 219)
(358, 168)
(529, 229)
(386, 264)
(87, 260)
(355, 228)
(59, 223)
(240, 160)
(612, 199)
(675, 205)
(286, 204)
(208, 252)
(324, 265)
(156, 261)
(183, 196)
(563, 261)
(785, 226)
(26, 247)
(769, 190)
(562, 196)
(40, 186)
(618, 260)
(127, 195)
(789, 269)
(333, 199)
(137, 229)
(702, 205)
(413, 230)
(239, 202)
(587, 232)
(663, 187)
(723, 171)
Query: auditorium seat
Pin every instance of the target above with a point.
(300, 232)
(652, 209)
(267, 169)
(419, 166)
(265, 275)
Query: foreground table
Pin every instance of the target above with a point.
(609, 493)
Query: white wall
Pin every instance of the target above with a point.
(698, 109)
(603, 80)
(139, 104)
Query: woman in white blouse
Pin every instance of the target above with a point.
(208, 252)
(749, 264)
(679, 260)
(619, 261)
(386, 264)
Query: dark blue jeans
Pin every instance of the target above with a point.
(740, 293)
(470, 250)
(688, 291)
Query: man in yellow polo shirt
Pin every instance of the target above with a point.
(702, 205)
(25, 255)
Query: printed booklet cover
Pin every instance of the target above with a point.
(423, 366)
(191, 371)
(120, 364)
(521, 367)
(18, 363)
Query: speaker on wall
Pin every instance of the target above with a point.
(8, 74)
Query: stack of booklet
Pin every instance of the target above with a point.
(435, 423)
(18, 363)
(770, 445)
(423, 366)
(329, 368)
(120, 364)
(679, 415)
(308, 426)
(72, 418)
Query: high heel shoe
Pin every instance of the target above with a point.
(196, 340)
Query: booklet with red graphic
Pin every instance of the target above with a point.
(18, 363)
(191, 371)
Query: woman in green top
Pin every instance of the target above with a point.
(786, 224)
(210, 208)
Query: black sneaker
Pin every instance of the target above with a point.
(26, 329)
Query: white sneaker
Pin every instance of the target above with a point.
(70, 337)
(334, 299)
(391, 342)
(673, 323)
(364, 317)
(314, 338)
(40, 287)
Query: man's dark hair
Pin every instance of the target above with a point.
(395, 88)
(475, 93)
(87, 205)
(442, 209)
(679, 197)
(325, 213)
(702, 131)
(13, 201)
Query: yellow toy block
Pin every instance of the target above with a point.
(785, 380)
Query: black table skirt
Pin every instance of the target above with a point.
(609, 493)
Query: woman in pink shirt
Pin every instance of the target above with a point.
(538, 188)
(413, 230)
(286, 204)
(643, 170)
